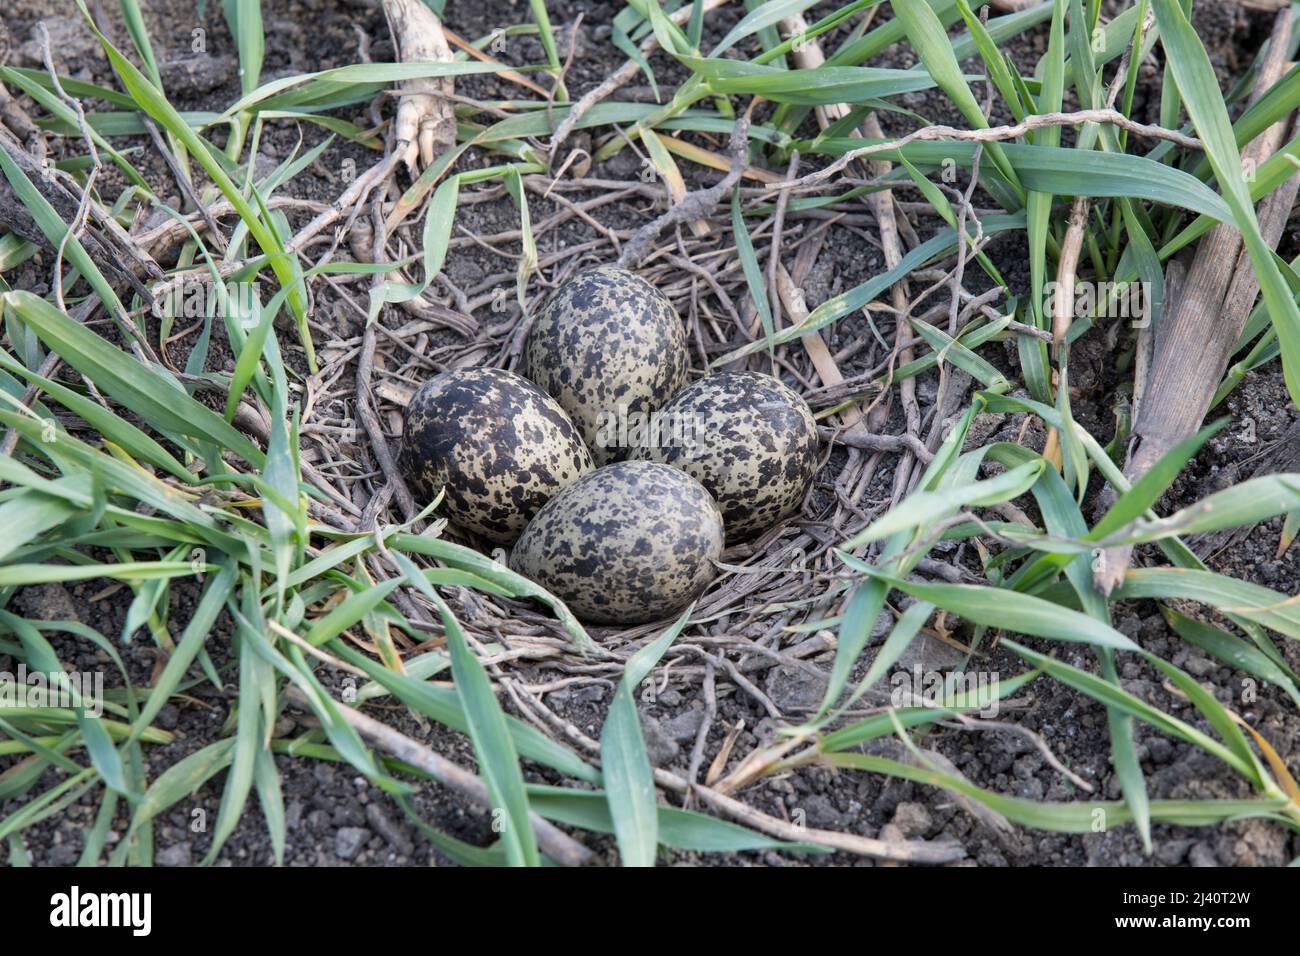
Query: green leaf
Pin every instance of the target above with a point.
(245, 20)
(110, 426)
(180, 780)
(443, 705)
(1230, 649)
(994, 60)
(679, 829)
(749, 265)
(924, 508)
(1146, 491)
(271, 799)
(1075, 172)
(1114, 696)
(248, 741)
(836, 307)
(514, 584)
(384, 74)
(815, 87)
(854, 735)
(1009, 610)
(1242, 598)
(56, 231)
(150, 99)
(1078, 817)
(498, 762)
(1038, 206)
(767, 15)
(144, 390)
(349, 612)
(928, 37)
(629, 781)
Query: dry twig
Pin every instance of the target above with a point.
(555, 843)
(994, 134)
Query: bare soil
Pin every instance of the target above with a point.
(335, 818)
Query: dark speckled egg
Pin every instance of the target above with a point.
(632, 542)
(750, 440)
(610, 348)
(500, 446)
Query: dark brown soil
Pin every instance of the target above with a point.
(336, 818)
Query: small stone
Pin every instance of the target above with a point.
(70, 44)
(1031, 789)
(982, 427)
(196, 75)
(891, 834)
(926, 653)
(168, 716)
(346, 813)
(62, 855)
(382, 824)
(1172, 852)
(1025, 767)
(558, 699)
(348, 841)
(1199, 666)
(794, 689)
(820, 812)
(589, 695)
(1253, 843)
(660, 748)
(178, 854)
(990, 857)
(1202, 855)
(1161, 750)
(913, 819)
(49, 602)
(264, 165)
(684, 726)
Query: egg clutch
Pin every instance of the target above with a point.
(617, 482)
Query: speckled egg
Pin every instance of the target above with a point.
(610, 348)
(500, 446)
(632, 542)
(748, 439)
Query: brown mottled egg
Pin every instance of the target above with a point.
(500, 446)
(609, 347)
(632, 542)
(747, 438)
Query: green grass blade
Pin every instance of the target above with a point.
(498, 761)
(679, 829)
(629, 782)
(142, 389)
(245, 20)
(928, 37)
(996, 607)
